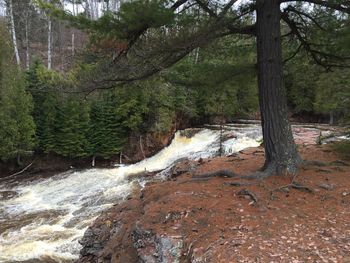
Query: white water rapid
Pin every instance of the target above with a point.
(43, 220)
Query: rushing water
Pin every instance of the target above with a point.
(43, 220)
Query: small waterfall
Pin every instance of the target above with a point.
(44, 219)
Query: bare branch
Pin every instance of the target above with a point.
(206, 8)
(148, 58)
(178, 3)
(227, 7)
(344, 7)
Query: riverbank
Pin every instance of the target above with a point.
(137, 148)
(225, 220)
(46, 165)
(44, 220)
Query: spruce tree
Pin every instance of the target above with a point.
(72, 123)
(17, 128)
(41, 83)
(106, 133)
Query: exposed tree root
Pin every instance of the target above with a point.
(207, 176)
(317, 163)
(301, 187)
(339, 163)
(295, 185)
(308, 163)
(323, 171)
(238, 183)
(246, 192)
(267, 171)
(292, 184)
(219, 173)
(260, 175)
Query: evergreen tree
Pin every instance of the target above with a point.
(104, 135)
(72, 124)
(41, 83)
(333, 95)
(17, 128)
(301, 77)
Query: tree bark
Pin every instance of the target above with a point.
(196, 56)
(281, 155)
(331, 117)
(141, 147)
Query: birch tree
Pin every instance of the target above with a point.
(13, 31)
(27, 28)
(49, 42)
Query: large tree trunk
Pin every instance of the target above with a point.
(281, 155)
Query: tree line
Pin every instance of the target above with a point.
(71, 124)
(44, 111)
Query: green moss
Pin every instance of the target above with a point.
(343, 148)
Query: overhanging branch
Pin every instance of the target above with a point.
(320, 57)
(344, 7)
(144, 60)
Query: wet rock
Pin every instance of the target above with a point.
(152, 248)
(142, 175)
(89, 246)
(230, 136)
(181, 167)
(95, 238)
(170, 248)
(189, 133)
(5, 195)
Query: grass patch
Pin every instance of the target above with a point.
(343, 148)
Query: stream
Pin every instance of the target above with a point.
(43, 220)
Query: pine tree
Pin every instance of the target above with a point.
(41, 83)
(72, 123)
(17, 128)
(106, 134)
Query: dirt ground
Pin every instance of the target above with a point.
(248, 221)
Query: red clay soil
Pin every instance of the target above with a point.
(219, 222)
